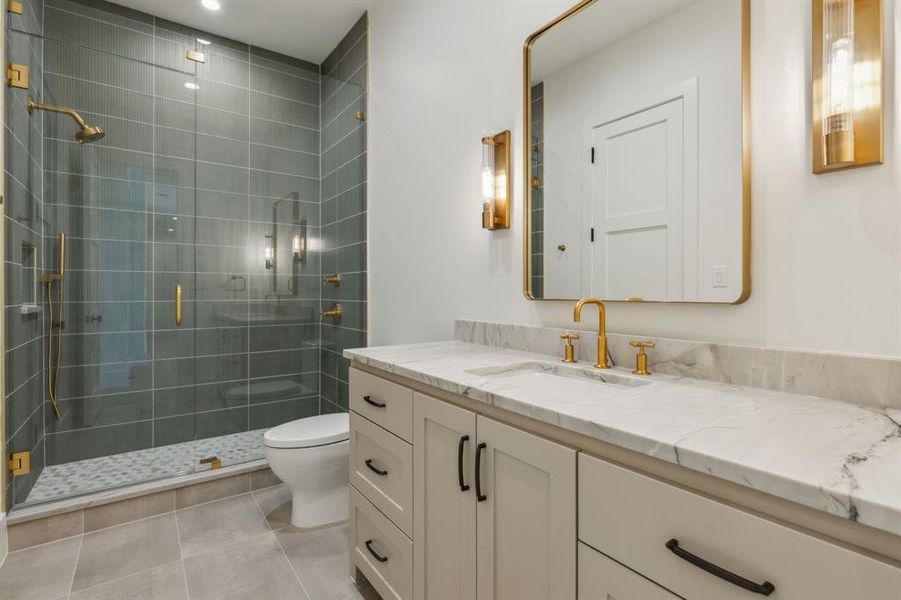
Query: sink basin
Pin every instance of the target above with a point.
(555, 380)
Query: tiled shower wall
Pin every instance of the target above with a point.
(23, 204)
(344, 207)
(192, 186)
(537, 191)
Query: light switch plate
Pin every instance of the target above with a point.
(720, 276)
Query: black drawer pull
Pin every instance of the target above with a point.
(479, 495)
(375, 554)
(766, 588)
(463, 440)
(375, 470)
(369, 400)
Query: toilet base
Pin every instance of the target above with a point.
(316, 510)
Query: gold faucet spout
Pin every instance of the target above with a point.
(602, 327)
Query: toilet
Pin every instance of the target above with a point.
(311, 456)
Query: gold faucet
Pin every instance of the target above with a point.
(602, 328)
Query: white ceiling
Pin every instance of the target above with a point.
(307, 29)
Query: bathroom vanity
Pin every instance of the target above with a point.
(483, 472)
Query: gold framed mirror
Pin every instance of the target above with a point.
(637, 153)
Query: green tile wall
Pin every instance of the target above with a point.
(190, 186)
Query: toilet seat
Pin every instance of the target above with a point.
(309, 432)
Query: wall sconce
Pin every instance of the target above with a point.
(496, 181)
(847, 84)
(299, 244)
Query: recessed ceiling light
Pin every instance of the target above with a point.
(210, 4)
(191, 86)
(204, 42)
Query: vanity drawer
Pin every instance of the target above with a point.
(631, 517)
(381, 468)
(601, 579)
(382, 402)
(380, 550)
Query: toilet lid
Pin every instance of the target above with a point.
(308, 432)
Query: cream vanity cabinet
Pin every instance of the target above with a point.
(494, 507)
(450, 504)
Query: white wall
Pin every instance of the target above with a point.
(826, 249)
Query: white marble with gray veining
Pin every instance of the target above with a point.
(838, 457)
(873, 381)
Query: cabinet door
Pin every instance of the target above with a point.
(444, 515)
(526, 518)
(603, 579)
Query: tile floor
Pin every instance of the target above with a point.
(106, 472)
(238, 548)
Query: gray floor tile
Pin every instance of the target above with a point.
(126, 549)
(253, 569)
(275, 502)
(165, 582)
(320, 558)
(211, 526)
(41, 572)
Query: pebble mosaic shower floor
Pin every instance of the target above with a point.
(105, 472)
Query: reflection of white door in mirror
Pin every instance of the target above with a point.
(643, 201)
(637, 112)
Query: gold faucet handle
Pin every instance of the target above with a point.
(642, 345)
(569, 352)
(641, 359)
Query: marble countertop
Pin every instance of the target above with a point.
(833, 456)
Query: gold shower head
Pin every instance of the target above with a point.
(86, 134)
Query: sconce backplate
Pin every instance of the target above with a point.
(867, 115)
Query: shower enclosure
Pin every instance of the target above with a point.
(202, 239)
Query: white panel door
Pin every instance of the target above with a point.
(637, 204)
(444, 515)
(526, 516)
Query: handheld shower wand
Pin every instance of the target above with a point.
(55, 325)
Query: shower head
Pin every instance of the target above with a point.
(86, 134)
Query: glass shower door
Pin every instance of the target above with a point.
(126, 379)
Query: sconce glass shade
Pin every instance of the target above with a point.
(838, 84)
(495, 181)
(488, 186)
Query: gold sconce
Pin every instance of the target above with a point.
(847, 84)
(496, 181)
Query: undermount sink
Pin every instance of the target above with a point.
(551, 379)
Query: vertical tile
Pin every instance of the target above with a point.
(41, 531)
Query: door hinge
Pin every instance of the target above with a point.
(592, 155)
(17, 76)
(213, 461)
(592, 234)
(20, 463)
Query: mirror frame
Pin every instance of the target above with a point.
(745, 155)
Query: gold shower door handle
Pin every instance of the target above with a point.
(178, 304)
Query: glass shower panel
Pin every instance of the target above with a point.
(343, 227)
(122, 202)
(220, 229)
(284, 277)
